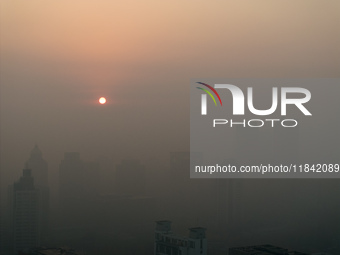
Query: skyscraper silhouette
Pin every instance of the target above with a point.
(39, 171)
(26, 210)
(38, 166)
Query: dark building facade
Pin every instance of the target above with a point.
(26, 214)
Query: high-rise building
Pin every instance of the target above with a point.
(167, 243)
(4, 234)
(1, 229)
(2, 241)
(26, 211)
(39, 171)
(38, 166)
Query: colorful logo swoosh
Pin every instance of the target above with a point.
(208, 92)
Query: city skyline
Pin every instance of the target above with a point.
(105, 173)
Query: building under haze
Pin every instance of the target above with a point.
(167, 243)
(38, 166)
(26, 210)
(3, 236)
(39, 170)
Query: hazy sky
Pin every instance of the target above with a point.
(59, 57)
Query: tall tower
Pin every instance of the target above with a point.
(38, 166)
(25, 213)
(39, 171)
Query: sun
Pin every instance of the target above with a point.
(102, 100)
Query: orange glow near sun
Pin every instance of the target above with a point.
(102, 100)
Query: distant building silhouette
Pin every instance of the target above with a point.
(38, 166)
(3, 235)
(39, 171)
(1, 231)
(26, 211)
(167, 243)
(130, 178)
